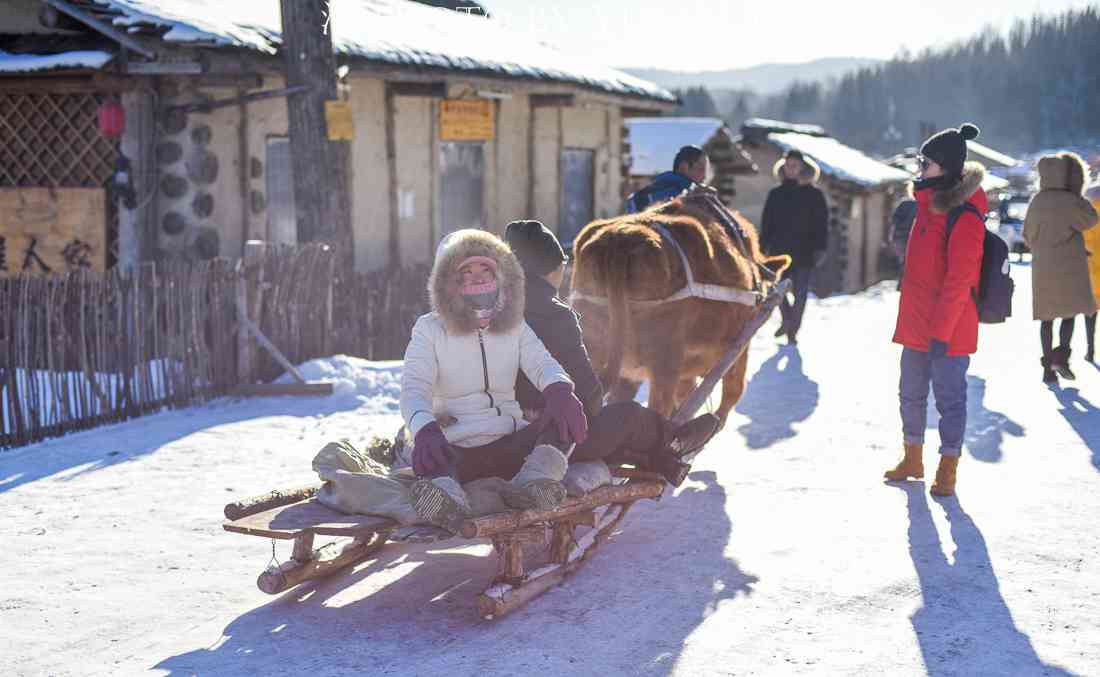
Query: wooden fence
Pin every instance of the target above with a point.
(83, 349)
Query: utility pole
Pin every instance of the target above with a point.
(320, 166)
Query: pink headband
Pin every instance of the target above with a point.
(491, 263)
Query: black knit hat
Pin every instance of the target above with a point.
(538, 251)
(948, 148)
(793, 154)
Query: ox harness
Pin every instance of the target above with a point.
(703, 290)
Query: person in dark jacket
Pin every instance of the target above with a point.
(795, 222)
(937, 317)
(689, 168)
(623, 431)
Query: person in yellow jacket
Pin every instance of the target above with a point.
(1092, 243)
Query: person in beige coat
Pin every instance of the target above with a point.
(1056, 219)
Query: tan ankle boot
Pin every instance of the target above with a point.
(912, 466)
(945, 476)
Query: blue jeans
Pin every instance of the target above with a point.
(800, 287)
(947, 376)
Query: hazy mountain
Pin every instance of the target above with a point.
(764, 79)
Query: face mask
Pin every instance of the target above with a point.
(483, 299)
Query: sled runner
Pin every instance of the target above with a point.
(294, 514)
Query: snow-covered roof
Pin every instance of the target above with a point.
(764, 124)
(840, 161)
(391, 31)
(654, 142)
(989, 155)
(27, 63)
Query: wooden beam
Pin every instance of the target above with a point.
(491, 525)
(164, 68)
(552, 100)
(119, 37)
(275, 389)
(272, 499)
(436, 90)
(322, 562)
(207, 106)
(737, 347)
(249, 325)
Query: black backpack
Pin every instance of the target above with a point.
(995, 286)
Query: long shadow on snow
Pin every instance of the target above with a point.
(964, 626)
(1083, 416)
(106, 446)
(985, 428)
(777, 396)
(629, 610)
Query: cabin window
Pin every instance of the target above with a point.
(282, 220)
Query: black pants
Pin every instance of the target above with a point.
(800, 287)
(501, 458)
(1046, 334)
(1090, 331)
(624, 432)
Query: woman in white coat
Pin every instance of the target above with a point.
(458, 387)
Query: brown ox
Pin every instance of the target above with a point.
(625, 260)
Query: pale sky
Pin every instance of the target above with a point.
(715, 35)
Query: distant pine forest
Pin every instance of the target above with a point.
(1036, 86)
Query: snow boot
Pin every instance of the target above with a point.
(693, 435)
(1049, 377)
(442, 502)
(945, 476)
(538, 484)
(910, 467)
(1059, 361)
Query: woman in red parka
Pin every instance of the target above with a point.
(938, 316)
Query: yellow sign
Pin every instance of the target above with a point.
(466, 120)
(57, 230)
(339, 120)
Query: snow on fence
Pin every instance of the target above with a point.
(83, 349)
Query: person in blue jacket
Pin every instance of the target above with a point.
(689, 168)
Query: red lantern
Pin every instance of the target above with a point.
(112, 119)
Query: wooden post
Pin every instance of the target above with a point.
(245, 351)
(319, 563)
(321, 195)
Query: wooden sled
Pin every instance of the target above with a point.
(294, 514)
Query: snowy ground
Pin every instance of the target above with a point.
(783, 554)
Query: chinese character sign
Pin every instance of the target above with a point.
(466, 120)
(57, 230)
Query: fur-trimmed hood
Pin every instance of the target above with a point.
(811, 172)
(443, 286)
(947, 198)
(1063, 171)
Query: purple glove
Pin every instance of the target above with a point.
(564, 410)
(431, 451)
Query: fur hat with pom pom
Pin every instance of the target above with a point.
(948, 148)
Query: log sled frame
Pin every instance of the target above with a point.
(294, 514)
(517, 537)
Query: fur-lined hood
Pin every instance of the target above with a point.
(443, 288)
(946, 199)
(810, 174)
(1064, 171)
